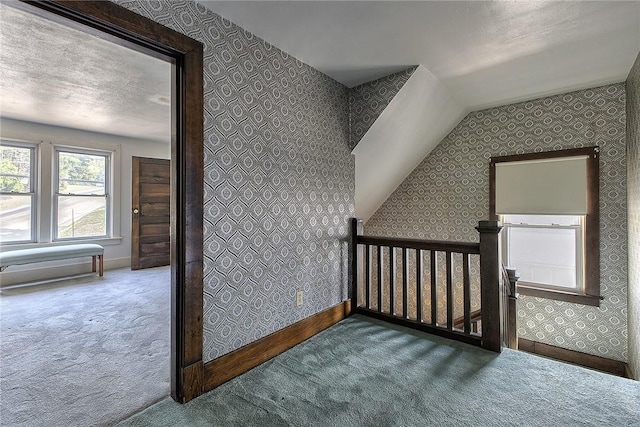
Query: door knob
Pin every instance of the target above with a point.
(135, 211)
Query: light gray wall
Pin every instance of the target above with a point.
(633, 203)
(279, 181)
(117, 253)
(448, 193)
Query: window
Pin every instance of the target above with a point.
(17, 192)
(81, 203)
(53, 193)
(546, 250)
(548, 203)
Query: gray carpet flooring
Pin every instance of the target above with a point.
(87, 351)
(362, 372)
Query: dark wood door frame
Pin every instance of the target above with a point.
(117, 24)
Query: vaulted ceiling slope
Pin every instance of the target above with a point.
(486, 53)
(415, 121)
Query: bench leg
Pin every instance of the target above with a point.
(100, 261)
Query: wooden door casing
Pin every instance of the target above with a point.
(151, 213)
(129, 29)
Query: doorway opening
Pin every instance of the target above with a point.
(125, 28)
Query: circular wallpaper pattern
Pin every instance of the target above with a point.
(367, 101)
(279, 181)
(448, 193)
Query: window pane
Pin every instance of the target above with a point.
(542, 219)
(15, 169)
(81, 173)
(80, 216)
(544, 255)
(15, 218)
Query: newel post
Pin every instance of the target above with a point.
(491, 297)
(354, 231)
(512, 329)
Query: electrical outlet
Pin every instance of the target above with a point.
(298, 298)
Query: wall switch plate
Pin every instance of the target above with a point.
(298, 298)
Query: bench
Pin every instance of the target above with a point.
(53, 253)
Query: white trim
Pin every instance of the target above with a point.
(33, 184)
(44, 200)
(44, 197)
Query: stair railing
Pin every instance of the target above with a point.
(367, 253)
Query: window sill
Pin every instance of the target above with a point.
(105, 241)
(567, 296)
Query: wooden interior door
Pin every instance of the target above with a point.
(151, 214)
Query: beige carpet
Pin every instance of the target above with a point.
(88, 351)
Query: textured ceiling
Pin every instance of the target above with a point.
(485, 53)
(57, 75)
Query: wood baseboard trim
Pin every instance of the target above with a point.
(231, 365)
(627, 372)
(192, 380)
(598, 363)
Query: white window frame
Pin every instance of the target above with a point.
(44, 189)
(33, 172)
(107, 196)
(579, 250)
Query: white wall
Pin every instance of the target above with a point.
(414, 122)
(117, 250)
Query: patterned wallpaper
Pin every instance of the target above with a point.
(368, 100)
(633, 195)
(447, 194)
(279, 180)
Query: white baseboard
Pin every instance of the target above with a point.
(21, 274)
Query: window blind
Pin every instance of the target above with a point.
(556, 186)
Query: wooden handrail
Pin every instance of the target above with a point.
(427, 245)
(492, 292)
